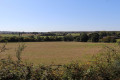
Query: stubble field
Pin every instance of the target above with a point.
(55, 52)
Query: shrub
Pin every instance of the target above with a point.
(32, 38)
(94, 37)
(77, 39)
(105, 66)
(68, 38)
(46, 38)
(4, 39)
(59, 38)
(83, 37)
(73, 71)
(26, 39)
(39, 38)
(13, 39)
(109, 39)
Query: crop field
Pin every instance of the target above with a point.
(17, 35)
(55, 52)
(118, 40)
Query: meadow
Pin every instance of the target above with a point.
(55, 52)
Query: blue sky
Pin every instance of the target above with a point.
(59, 15)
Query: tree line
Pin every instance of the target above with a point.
(83, 37)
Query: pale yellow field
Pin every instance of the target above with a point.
(55, 52)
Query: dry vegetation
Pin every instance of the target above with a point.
(55, 52)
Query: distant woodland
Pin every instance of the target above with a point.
(98, 36)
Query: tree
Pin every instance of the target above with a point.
(109, 39)
(83, 37)
(13, 39)
(94, 37)
(68, 38)
(77, 38)
(47, 38)
(39, 38)
(102, 34)
(32, 38)
(35, 33)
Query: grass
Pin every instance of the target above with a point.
(17, 35)
(118, 40)
(9, 35)
(55, 52)
(75, 34)
(23, 35)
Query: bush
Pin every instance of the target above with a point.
(68, 38)
(46, 38)
(73, 71)
(13, 39)
(77, 38)
(108, 39)
(83, 37)
(4, 39)
(26, 39)
(32, 38)
(94, 37)
(40, 39)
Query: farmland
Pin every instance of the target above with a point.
(55, 52)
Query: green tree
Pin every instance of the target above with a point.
(102, 34)
(94, 37)
(77, 38)
(83, 37)
(47, 38)
(68, 38)
(109, 39)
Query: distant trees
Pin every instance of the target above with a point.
(40, 39)
(35, 33)
(102, 34)
(48, 34)
(46, 38)
(68, 38)
(109, 39)
(83, 37)
(94, 37)
(77, 38)
(32, 38)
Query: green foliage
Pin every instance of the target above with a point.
(39, 38)
(60, 36)
(19, 51)
(32, 38)
(102, 34)
(94, 37)
(68, 38)
(83, 37)
(77, 39)
(109, 39)
(73, 71)
(105, 66)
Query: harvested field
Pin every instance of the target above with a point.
(55, 52)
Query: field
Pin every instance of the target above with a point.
(55, 52)
(118, 40)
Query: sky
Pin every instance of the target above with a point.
(59, 15)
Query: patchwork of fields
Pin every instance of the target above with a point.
(55, 52)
